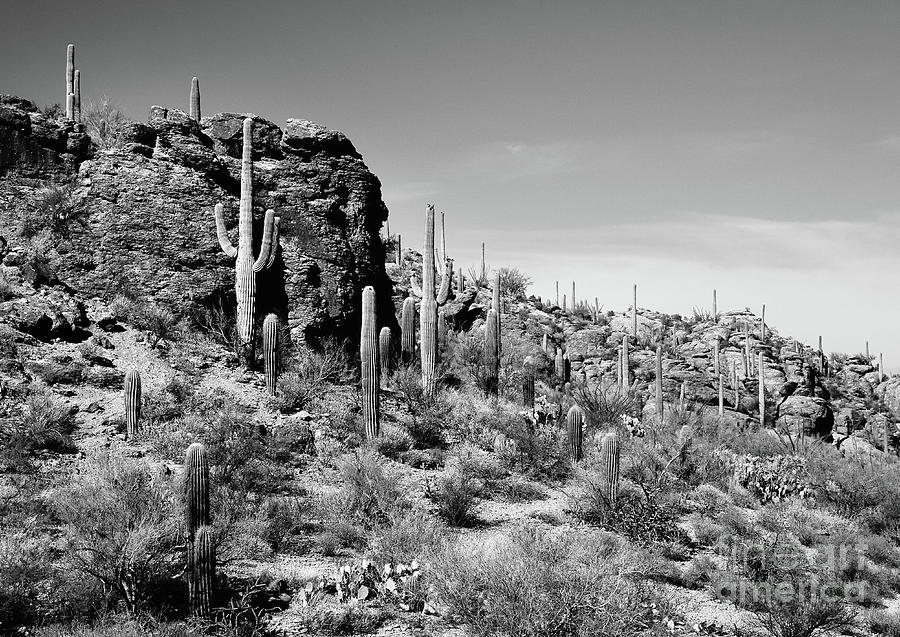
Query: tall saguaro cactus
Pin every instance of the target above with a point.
(246, 267)
(575, 423)
(659, 384)
(132, 403)
(762, 392)
(721, 396)
(271, 329)
(195, 99)
(715, 308)
(492, 353)
(70, 82)
(203, 572)
(428, 310)
(609, 463)
(634, 313)
(626, 375)
(368, 358)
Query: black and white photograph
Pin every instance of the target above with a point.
(419, 318)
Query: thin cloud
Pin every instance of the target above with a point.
(506, 161)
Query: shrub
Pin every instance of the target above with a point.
(46, 423)
(513, 282)
(368, 492)
(7, 289)
(24, 567)
(104, 122)
(884, 623)
(532, 583)
(455, 496)
(120, 527)
(407, 536)
(426, 416)
(54, 207)
(307, 375)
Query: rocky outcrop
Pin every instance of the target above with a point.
(146, 226)
(34, 146)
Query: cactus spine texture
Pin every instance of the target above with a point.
(246, 267)
(721, 396)
(195, 99)
(626, 379)
(491, 353)
(132, 403)
(408, 331)
(203, 571)
(70, 82)
(385, 352)
(368, 357)
(271, 329)
(496, 305)
(609, 463)
(428, 309)
(575, 422)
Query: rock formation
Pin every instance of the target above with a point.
(146, 222)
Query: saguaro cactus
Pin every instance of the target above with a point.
(70, 82)
(659, 384)
(721, 396)
(195, 99)
(609, 463)
(132, 403)
(560, 365)
(368, 358)
(575, 422)
(762, 392)
(715, 308)
(528, 383)
(762, 324)
(76, 99)
(246, 268)
(574, 305)
(626, 375)
(385, 352)
(203, 572)
(428, 310)
(491, 353)
(271, 329)
(408, 331)
(196, 488)
(716, 357)
(634, 312)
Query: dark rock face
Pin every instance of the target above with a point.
(35, 146)
(147, 222)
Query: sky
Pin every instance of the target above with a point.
(682, 145)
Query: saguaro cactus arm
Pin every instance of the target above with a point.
(446, 278)
(266, 248)
(224, 242)
(274, 251)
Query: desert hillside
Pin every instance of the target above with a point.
(273, 417)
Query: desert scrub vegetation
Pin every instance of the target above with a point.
(307, 375)
(45, 423)
(535, 583)
(103, 121)
(159, 323)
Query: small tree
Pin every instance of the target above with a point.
(104, 121)
(513, 282)
(121, 527)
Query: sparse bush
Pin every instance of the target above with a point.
(407, 536)
(103, 121)
(53, 209)
(455, 496)
(426, 415)
(531, 583)
(308, 374)
(513, 282)
(369, 493)
(46, 423)
(7, 289)
(120, 527)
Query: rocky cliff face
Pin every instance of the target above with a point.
(144, 212)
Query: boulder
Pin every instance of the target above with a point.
(809, 415)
